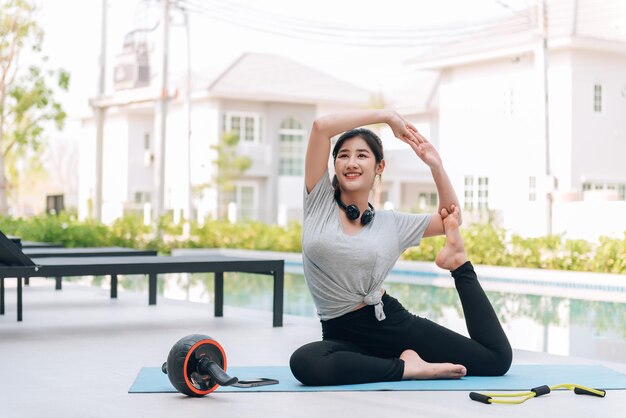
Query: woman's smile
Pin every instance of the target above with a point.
(352, 176)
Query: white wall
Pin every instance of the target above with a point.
(290, 196)
(599, 140)
(561, 117)
(177, 147)
(479, 135)
(86, 169)
(139, 162)
(115, 167)
(489, 126)
(205, 131)
(287, 190)
(589, 220)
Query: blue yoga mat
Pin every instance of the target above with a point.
(520, 377)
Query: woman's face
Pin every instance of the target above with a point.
(355, 165)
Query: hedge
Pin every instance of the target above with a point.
(484, 243)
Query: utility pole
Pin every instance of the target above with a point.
(161, 119)
(542, 61)
(188, 116)
(100, 113)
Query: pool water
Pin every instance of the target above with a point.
(548, 324)
(556, 325)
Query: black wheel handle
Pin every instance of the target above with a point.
(206, 366)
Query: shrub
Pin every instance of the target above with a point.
(610, 256)
(484, 243)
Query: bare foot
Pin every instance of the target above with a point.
(416, 368)
(452, 255)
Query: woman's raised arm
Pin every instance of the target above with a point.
(447, 196)
(325, 127)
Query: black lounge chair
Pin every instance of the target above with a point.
(41, 252)
(47, 252)
(45, 249)
(33, 244)
(15, 264)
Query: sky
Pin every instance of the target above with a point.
(73, 35)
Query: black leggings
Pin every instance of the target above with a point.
(357, 348)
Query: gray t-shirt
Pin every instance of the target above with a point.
(342, 270)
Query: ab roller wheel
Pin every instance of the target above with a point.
(196, 366)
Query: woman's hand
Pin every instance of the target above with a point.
(402, 129)
(406, 132)
(425, 150)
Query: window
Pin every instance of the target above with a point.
(483, 193)
(245, 197)
(426, 201)
(384, 196)
(421, 201)
(597, 98)
(235, 125)
(246, 203)
(433, 200)
(147, 153)
(142, 197)
(532, 189)
(476, 193)
(246, 126)
(620, 188)
(291, 148)
(509, 102)
(55, 204)
(469, 193)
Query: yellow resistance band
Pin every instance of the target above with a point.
(490, 398)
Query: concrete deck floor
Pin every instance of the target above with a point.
(77, 353)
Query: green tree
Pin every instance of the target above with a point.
(27, 102)
(230, 166)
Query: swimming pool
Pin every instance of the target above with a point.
(564, 313)
(535, 322)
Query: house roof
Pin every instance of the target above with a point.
(274, 78)
(587, 24)
(412, 94)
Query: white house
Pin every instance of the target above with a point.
(269, 101)
(487, 117)
(479, 100)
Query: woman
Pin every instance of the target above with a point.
(348, 250)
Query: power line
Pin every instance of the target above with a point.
(299, 22)
(311, 26)
(512, 9)
(352, 36)
(521, 20)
